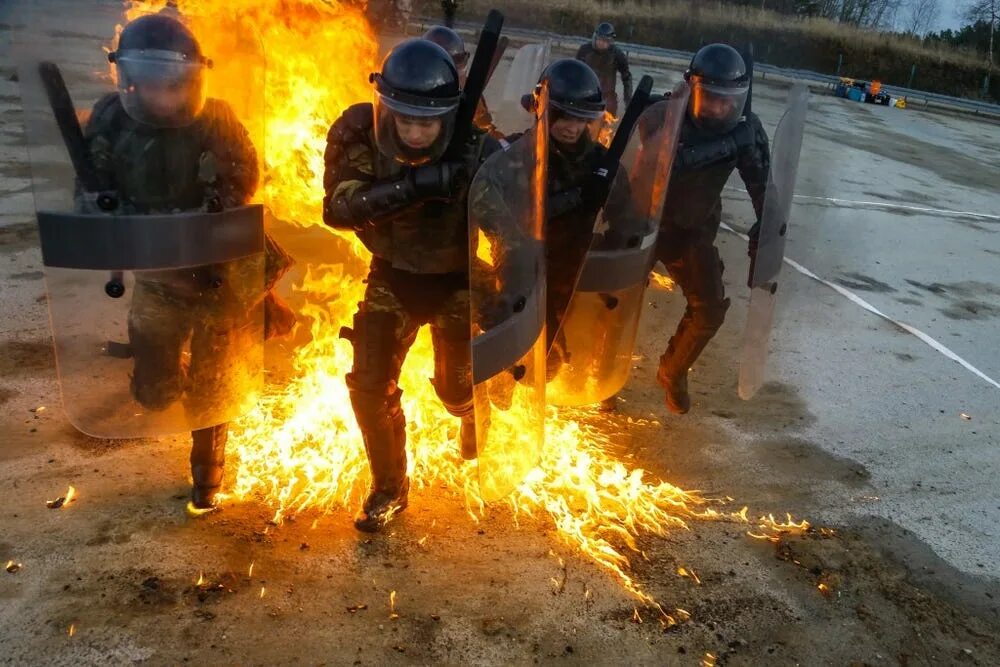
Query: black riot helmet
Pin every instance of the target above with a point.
(452, 42)
(719, 86)
(574, 89)
(161, 71)
(416, 100)
(605, 32)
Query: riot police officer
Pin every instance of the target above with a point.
(576, 189)
(161, 146)
(452, 42)
(717, 136)
(386, 181)
(608, 61)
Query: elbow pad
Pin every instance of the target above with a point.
(369, 204)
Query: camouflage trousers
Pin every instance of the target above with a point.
(186, 347)
(396, 304)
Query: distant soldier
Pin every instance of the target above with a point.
(608, 61)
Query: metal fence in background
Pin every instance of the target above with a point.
(570, 43)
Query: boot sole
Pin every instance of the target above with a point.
(376, 525)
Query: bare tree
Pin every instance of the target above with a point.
(986, 11)
(920, 16)
(869, 13)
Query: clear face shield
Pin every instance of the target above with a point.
(602, 43)
(161, 88)
(412, 133)
(716, 108)
(569, 123)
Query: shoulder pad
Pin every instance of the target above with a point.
(360, 117)
(353, 124)
(104, 115)
(219, 109)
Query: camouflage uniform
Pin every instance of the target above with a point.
(691, 217)
(419, 275)
(608, 65)
(218, 309)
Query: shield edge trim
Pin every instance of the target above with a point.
(128, 242)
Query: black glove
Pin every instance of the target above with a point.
(441, 180)
(595, 188)
(752, 247)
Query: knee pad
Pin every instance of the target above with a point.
(453, 370)
(376, 353)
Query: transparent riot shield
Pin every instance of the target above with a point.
(525, 70)
(153, 254)
(507, 261)
(785, 149)
(591, 354)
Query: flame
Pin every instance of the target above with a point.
(262, 590)
(688, 572)
(250, 573)
(201, 580)
(606, 129)
(392, 606)
(70, 495)
(772, 529)
(299, 448)
(662, 282)
(72, 629)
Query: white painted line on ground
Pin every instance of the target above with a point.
(893, 206)
(902, 207)
(854, 298)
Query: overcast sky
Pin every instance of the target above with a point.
(950, 14)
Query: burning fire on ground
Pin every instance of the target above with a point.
(300, 449)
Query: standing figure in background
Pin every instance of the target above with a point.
(608, 61)
(452, 42)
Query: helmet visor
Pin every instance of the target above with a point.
(412, 134)
(587, 111)
(160, 88)
(715, 107)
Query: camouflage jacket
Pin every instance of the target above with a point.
(428, 237)
(694, 196)
(608, 65)
(201, 166)
(159, 170)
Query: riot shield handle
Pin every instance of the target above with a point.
(475, 84)
(69, 127)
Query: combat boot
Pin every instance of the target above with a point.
(675, 384)
(381, 506)
(383, 429)
(208, 460)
